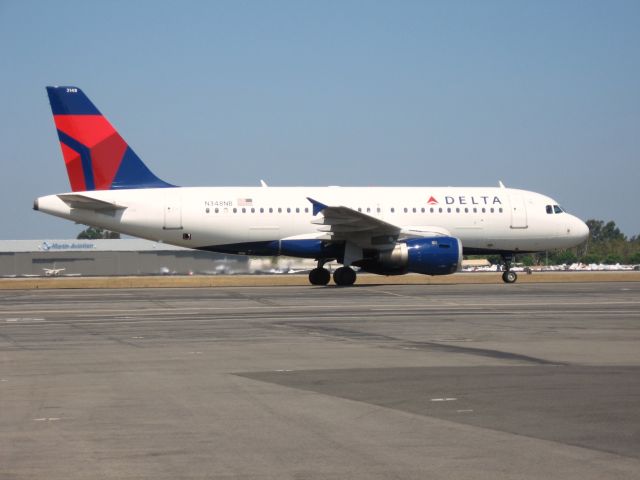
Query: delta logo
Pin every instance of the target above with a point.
(467, 200)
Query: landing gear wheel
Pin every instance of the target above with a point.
(509, 277)
(344, 276)
(319, 276)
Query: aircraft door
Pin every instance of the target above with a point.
(173, 215)
(518, 212)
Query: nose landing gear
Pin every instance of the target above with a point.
(508, 276)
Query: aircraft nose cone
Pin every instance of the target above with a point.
(580, 230)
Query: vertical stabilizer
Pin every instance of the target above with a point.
(96, 156)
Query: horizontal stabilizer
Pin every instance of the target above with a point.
(82, 201)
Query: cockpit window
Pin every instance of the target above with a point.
(549, 209)
(557, 209)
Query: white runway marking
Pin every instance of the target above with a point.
(23, 319)
(445, 399)
(394, 294)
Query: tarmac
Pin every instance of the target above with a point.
(446, 381)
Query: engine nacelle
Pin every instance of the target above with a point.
(429, 256)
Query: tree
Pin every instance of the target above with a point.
(94, 233)
(591, 258)
(566, 257)
(634, 258)
(601, 232)
(613, 258)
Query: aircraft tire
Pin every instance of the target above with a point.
(319, 276)
(509, 277)
(344, 276)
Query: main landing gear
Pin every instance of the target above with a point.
(343, 276)
(319, 276)
(508, 276)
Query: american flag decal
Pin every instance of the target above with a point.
(245, 202)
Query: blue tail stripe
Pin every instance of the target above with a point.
(133, 173)
(85, 157)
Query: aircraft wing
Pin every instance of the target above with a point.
(346, 224)
(341, 223)
(75, 200)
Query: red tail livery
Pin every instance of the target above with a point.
(96, 156)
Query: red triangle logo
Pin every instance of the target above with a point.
(432, 201)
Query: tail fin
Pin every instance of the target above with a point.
(96, 156)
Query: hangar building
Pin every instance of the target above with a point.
(111, 257)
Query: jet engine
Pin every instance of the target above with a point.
(428, 256)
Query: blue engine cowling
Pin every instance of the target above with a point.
(429, 256)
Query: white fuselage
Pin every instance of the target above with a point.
(484, 219)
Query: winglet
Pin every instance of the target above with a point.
(263, 183)
(317, 206)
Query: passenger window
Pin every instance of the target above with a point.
(492, 210)
(235, 210)
(253, 210)
(440, 210)
(449, 210)
(414, 210)
(261, 210)
(216, 210)
(457, 210)
(484, 210)
(475, 210)
(406, 209)
(279, 210)
(393, 210)
(359, 209)
(207, 210)
(288, 210)
(368, 210)
(466, 210)
(549, 209)
(244, 210)
(297, 210)
(270, 210)
(500, 209)
(306, 209)
(431, 210)
(378, 209)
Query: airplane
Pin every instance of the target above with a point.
(53, 272)
(382, 230)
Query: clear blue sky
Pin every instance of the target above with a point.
(543, 95)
